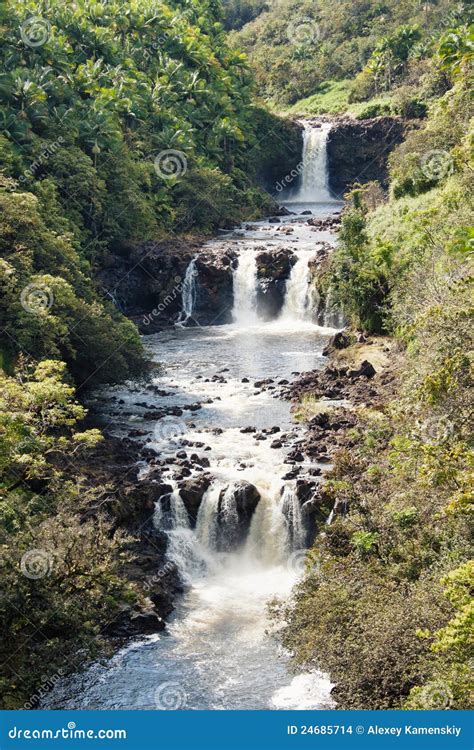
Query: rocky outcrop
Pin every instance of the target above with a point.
(146, 283)
(214, 293)
(273, 270)
(192, 491)
(358, 150)
(129, 505)
(234, 514)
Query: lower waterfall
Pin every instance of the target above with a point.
(275, 530)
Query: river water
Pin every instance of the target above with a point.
(217, 652)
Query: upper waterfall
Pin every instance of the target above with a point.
(313, 187)
(314, 179)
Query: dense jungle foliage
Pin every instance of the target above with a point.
(104, 109)
(387, 606)
(308, 48)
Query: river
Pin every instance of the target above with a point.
(217, 652)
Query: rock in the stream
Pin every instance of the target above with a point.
(192, 491)
(235, 513)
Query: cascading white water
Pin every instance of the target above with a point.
(206, 522)
(291, 507)
(244, 311)
(296, 305)
(189, 292)
(314, 178)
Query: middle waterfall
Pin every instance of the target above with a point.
(244, 312)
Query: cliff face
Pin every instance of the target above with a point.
(358, 151)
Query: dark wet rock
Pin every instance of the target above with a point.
(325, 224)
(292, 474)
(135, 621)
(245, 430)
(235, 514)
(273, 270)
(366, 370)
(358, 150)
(340, 340)
(192, 491)
(295, 455)
(273, 220)
(284, 211)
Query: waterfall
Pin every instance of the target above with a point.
(189, 292)
(206, 522)
(276, 528)
(245, 290)
(228, 519)
(267, 539)
(291, 508)
(296, 305)
(314, 178)
(313, 187)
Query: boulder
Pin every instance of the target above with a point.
(192, 491)
(235, 509)
(365, 369)
(340, 340)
